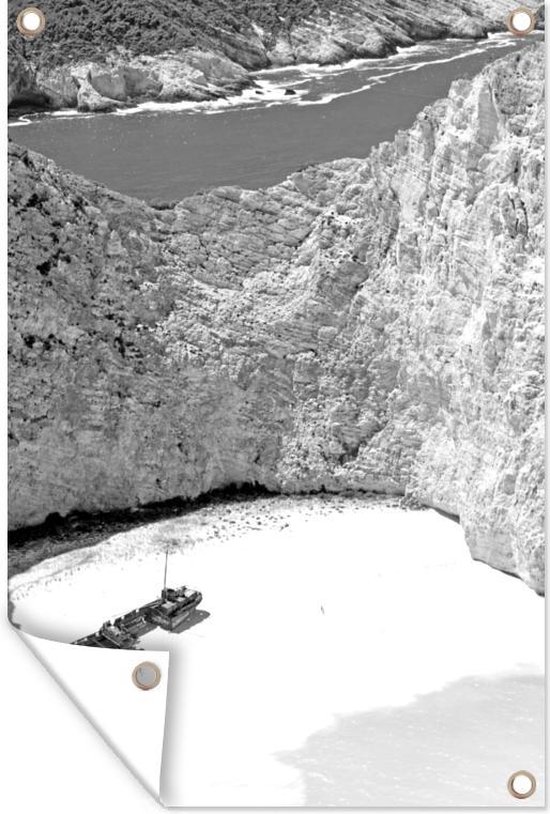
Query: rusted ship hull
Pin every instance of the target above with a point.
(174, 606)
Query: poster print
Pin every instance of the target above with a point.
(276, 385)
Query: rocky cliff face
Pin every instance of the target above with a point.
(368, 324)
(99, 57)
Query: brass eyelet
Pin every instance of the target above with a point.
(522, 774)
(31, 22)
(521, 21)
(146, 675)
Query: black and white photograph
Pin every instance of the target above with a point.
(276, 384)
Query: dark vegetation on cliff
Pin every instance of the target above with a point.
(78, 29)
(96, 56)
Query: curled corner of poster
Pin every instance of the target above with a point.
(99, 681)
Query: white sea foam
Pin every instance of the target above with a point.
(263, 94)
(275, 94)
(22, 121)
(382, 78)
(274, 87)
(71, 113)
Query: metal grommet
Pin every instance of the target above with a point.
(522, 784)
(146, 675)
(521, 21)
(31, 22)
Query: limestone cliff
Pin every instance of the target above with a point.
(368, 324)
(97, 55)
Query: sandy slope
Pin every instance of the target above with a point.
(325, 612)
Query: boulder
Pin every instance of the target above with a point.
(90, 101)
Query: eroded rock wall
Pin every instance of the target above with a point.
(367, 324)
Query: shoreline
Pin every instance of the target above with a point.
(31, 545)
(236, 88)
(262, 93)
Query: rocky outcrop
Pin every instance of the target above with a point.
(369, 324)
(103, 73)
(120, 80)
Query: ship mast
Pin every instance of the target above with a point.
(165, 569)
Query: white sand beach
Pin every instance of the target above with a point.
(323, 611)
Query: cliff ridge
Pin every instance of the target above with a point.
(98, 55)
(372, 324)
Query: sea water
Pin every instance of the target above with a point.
(295, 116)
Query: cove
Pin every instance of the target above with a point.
(332, 621)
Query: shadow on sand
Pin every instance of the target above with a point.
(196, 618)
(456, 747)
